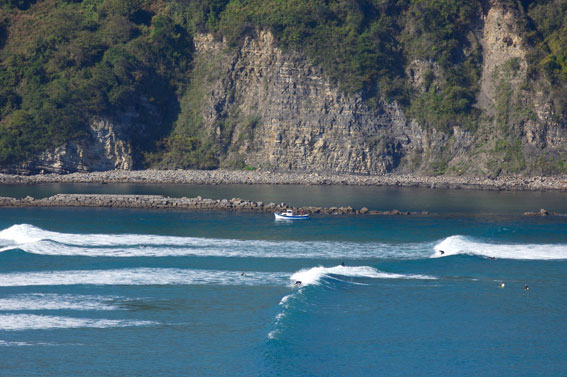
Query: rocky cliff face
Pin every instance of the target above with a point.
(264, 107)
(287, 115)
(104, 148)
(521, 127)
(273, 109)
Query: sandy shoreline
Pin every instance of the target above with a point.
(217, 177)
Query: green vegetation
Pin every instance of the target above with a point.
(64, 63)
(546, 34)
(439, 31)
(507, 156)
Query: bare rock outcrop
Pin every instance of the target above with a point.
(105, 148)
(289, 116)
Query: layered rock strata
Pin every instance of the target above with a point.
(289, 116)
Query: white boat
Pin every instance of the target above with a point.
(289, 215)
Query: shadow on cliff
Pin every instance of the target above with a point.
(155, 119)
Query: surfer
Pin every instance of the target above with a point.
(502, 284)
(243, 274)
(526, 288)
(343, 263)
(492, 258)
(298, 282)
(442, 252)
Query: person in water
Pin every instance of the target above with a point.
(298, 282)
(526, 288)
(243, 274)
(502, 284)
(343, 263)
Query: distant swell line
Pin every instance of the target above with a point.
(50, 301)
(139, 276)
(176, 276)
(19, 322)
(38, 241)
(35, 240)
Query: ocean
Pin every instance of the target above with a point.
(123, 292)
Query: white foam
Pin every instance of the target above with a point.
(314, 276)
(19, 322)
(4, 343)
(38, 241)
(42, 301)
(140, 276)
(455, 245)
(35, 240)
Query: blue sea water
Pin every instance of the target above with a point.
(115, 292)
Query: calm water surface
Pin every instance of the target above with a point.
(94, 292)
(379, 198)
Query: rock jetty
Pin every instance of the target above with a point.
(164, 202)
(222, 176)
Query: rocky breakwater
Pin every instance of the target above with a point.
(198, 203)
(224, 176)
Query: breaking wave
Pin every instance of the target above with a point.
(35, 240)
(456, 245)
(316, 275)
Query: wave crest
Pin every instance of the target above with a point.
(315, 275)
(456, 245)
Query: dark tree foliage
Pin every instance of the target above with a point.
(83, 59)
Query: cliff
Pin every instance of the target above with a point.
(280, 112)
(266, 108)
(261, 102)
